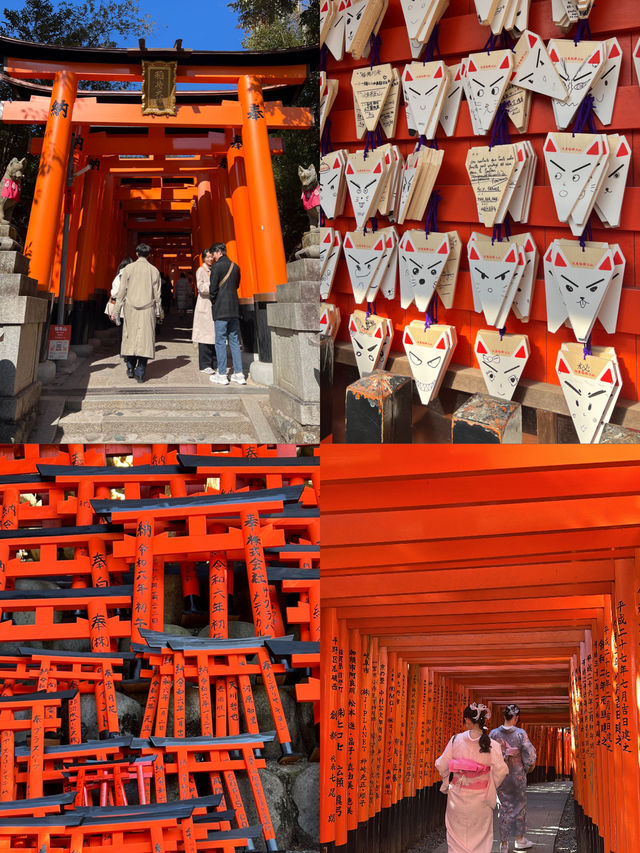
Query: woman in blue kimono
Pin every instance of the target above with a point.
(520, 756)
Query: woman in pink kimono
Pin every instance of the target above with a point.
(472, 768)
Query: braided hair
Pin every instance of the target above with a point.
(479, 716)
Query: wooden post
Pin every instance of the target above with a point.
(378, 409)
(42, 232)
(267, 234)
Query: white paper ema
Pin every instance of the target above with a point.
(501, 361)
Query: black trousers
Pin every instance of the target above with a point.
(137, 363)
(207, 356)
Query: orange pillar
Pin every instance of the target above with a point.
(205, 210)
(267, 234)
(223, 206)
(241, 208)
(44, 219)
(86, 261)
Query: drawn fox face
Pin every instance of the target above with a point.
(587, 398)
(426, 363)
(582, 289)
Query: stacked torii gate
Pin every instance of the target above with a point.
(209, 165)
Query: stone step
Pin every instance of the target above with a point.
(164, 405)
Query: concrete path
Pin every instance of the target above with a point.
(545, 804)
(92, 400)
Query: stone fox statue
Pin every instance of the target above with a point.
(10, 194)
(310, 193)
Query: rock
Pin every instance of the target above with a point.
(306, 795)
(27, 617)
(261, 372)
(82, 350)
(191, 712)
(265, 719)
(70, 645)
(173, 601)
(279, 805)
(12, 648)
(129, 716)
(237, 630)
(46, 372)
(306, 727)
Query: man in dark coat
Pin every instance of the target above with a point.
(223, 291)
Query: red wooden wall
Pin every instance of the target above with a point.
(460, 34)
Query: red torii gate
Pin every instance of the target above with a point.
(229, 195)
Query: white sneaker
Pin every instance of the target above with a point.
(207, 370)
(504, 847)
(523, 844)
(239, 378)
(219, 379)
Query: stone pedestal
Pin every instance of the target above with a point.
(487, 420)
(294, 320)
(378, 409)
(22, 316)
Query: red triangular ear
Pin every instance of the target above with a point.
(623, 151)
(520, 155)
(442, 343)
(324, 320)
(336, 241)
(379, 245)
(378, 168)
(511, 257)
(473, 255)
(378, 333)
(325, 7)
(560, 261)
(547, 257)
(350, 170)
(617, 258)
(438, 73)
(389, 243)
(532, 39)
(513, 74)
(337, 163)
(553, 56)
(408, 246)
(457, 75)
(407, 337)
(595, 59)
(607, 376)
(563, 367)
(327, 239)
(549, 146)
(529, 247)
(407, 76)
(638, 49)
(522, 353)
(595, 149)
(505, 62)
(443, 250)
(615, 52)
(480, 347)
(606, 264)
(471, 67)
(347, 243)
(352, 326)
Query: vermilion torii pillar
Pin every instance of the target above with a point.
(84, 280)
(40, 245)
(242, 218)
(205, 210)
(267, 236)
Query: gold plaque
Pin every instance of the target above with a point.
(159, 88)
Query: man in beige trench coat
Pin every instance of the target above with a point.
(139, 294)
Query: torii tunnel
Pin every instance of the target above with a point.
(483, 574)
(178, 183)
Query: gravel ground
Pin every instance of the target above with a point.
(566, 838)
(430, 842)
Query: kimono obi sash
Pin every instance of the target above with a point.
(469, 774)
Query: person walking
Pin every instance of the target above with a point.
(140, 300)
(115, 287)
(520, 756)
(203, 332)
(183, 294)
(225, 308)
(472, 768)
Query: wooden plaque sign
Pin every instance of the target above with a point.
(159, 88)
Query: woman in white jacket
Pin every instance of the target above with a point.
(476, 767)
(115, 287)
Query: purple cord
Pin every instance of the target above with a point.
(325, 142)
(500, 129)
(502, 332)
(583, 30)
(431, 218)
(323, 57)
(584, 116)
(586, 349)
(432, 47)
(376, 44)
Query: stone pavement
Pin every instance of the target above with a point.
(545, 804)
(92, 400)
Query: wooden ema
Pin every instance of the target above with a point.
(507, 575)
(459, 35)
(226, 197)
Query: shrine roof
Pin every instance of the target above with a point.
(11, 47)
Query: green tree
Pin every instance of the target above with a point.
(91, 23)
(273, 25)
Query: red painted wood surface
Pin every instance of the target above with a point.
(460, 34)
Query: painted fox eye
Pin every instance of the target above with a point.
(513, 380)
(480, 93)
(495, 91)
(557, 176)
(569, 288)
(575, 178)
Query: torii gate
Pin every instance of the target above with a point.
(205, 172)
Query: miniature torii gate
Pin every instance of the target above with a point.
(229, 192)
